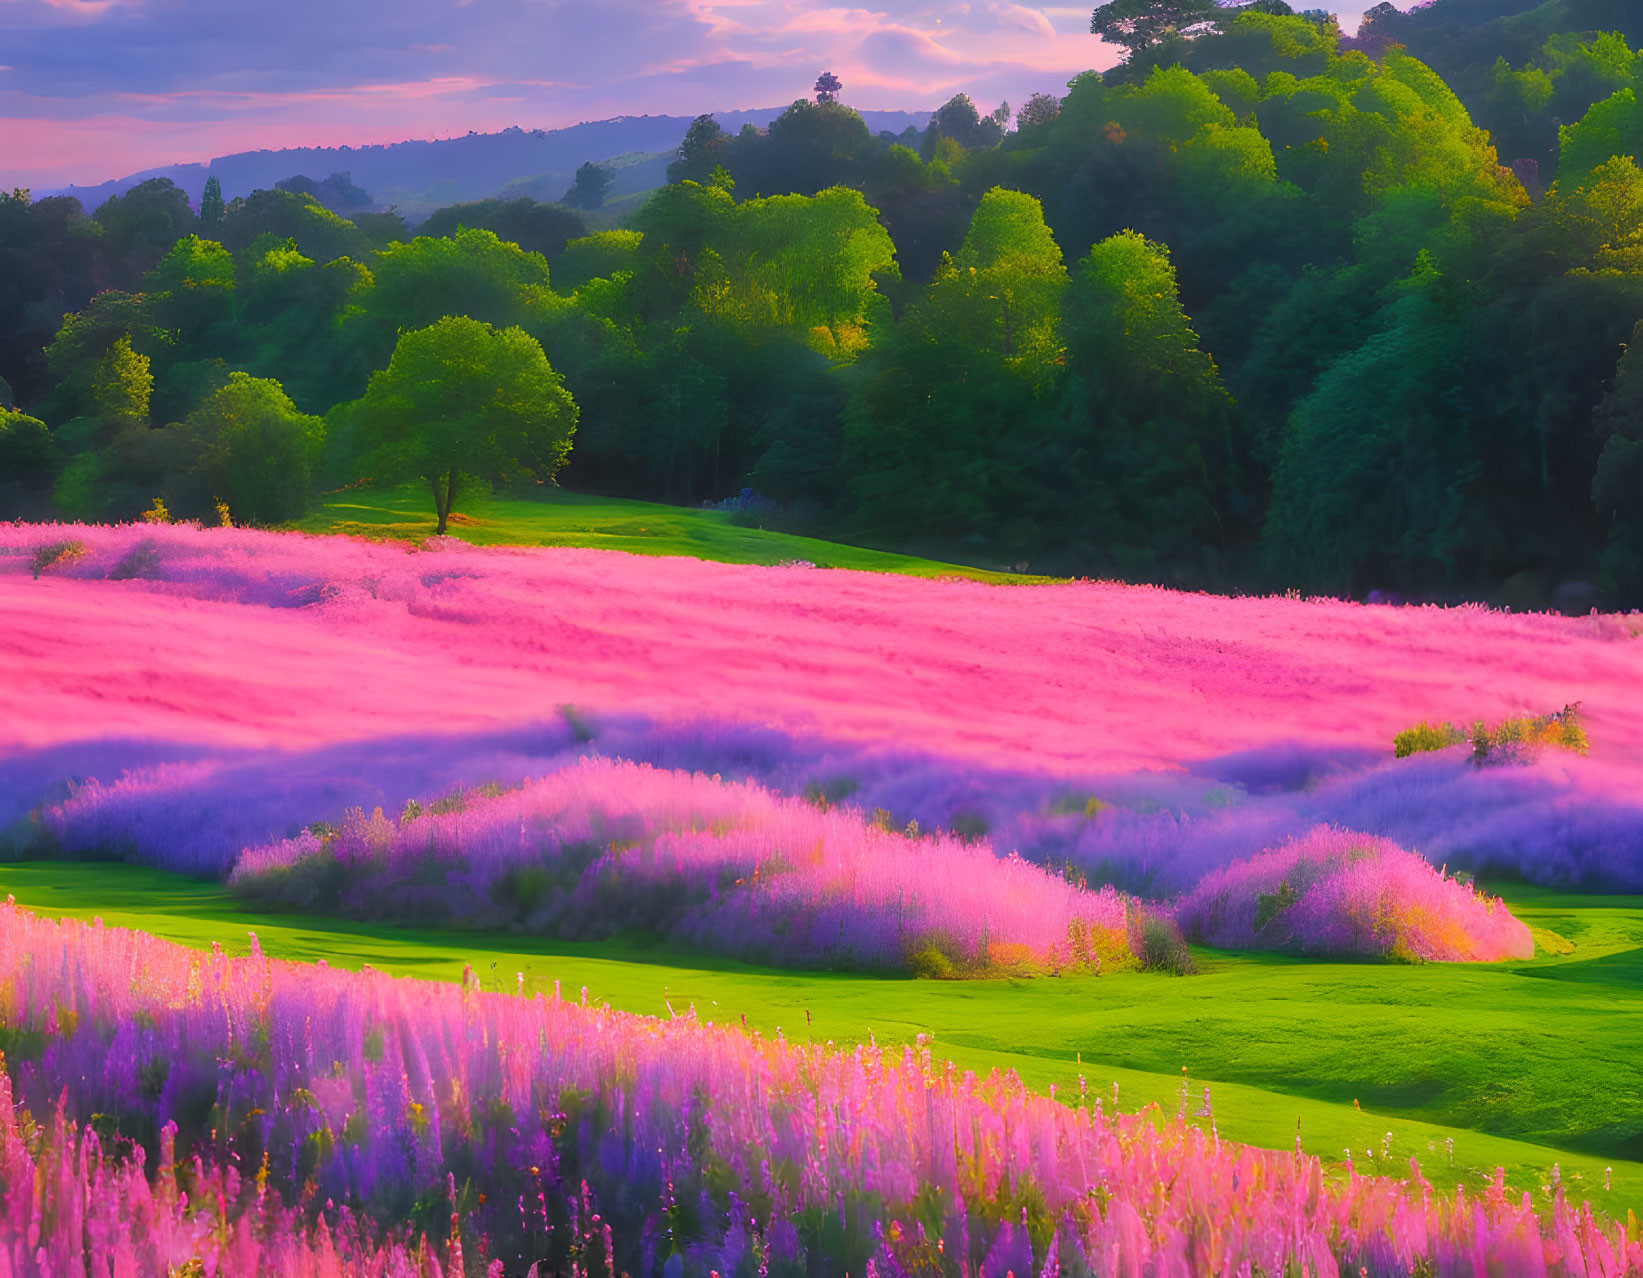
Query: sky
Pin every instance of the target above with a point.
(97, 89)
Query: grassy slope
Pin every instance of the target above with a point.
(1548, 1052)
(560, 518)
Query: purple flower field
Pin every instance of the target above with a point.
(600, 847)
(1158, 836)
(297, 1119)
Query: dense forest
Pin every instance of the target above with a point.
(1263, 307)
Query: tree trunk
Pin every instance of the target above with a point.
(450, 499)
(440, 510)
(444, 496)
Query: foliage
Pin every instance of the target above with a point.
(471, 273)
(1519, 738)
(1426, 736)
(337, 192)
(959, 122)
(921, 439)
(1617, 485)
(588, 190)
(1148, 422)
(318, 232)
(212, 208)
(461, 398)
(28, 455)
(121, 385)
(534, 226)
(253, 451)
(1139, 24)
(141, 225)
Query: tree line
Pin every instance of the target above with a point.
(1260, 308)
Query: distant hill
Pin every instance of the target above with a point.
(418, 177)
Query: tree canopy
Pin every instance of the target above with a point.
(1141, 24)
(254, 451)
(461, 400)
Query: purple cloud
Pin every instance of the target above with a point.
(96, 88)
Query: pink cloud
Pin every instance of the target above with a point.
(94, 107)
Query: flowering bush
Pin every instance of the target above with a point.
(600, 847)
(1335, 892)
(290, 1114)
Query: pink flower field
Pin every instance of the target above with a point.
(296, 1118)
(232, 636)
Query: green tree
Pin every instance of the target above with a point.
(1149, 450)
(49, 264)
(470, 273)
(809, 147)
(319, 233)
(140, 226)
(121, 385)
(533, 225)
(703, 144)
(1140, 24)
(193, 286)
(254, 450)
(1612, 128)
(1369, 488)
(602, 255)
(949, 407)
(958, 121)
(460, 398)
(589, 188)
(1000, 295)
(1041, 108)
(28, 455)
(212, 207)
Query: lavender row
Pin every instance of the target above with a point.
(1559, 822)
(524, 1132)
(598, 848)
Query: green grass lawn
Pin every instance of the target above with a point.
(561, 518)
(1520, 1064)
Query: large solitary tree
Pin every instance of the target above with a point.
(461, 399)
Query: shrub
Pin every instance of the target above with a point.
(1426, 736)
(56, 554)
(1514, 740)
(1157, 941)
(1335, 892)
(1520, 739)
